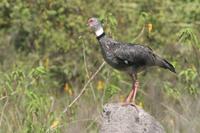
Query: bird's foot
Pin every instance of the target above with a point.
(132, 104)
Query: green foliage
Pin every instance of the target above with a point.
(110, 91)
(172, 91)
(188, 35)
(21, 88)
(48, 54)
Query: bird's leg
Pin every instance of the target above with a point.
(136, 88)
(132, 94)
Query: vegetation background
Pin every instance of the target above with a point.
(47, 54)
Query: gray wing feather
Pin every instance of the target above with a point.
(137, 55)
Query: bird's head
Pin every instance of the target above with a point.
(95, 25)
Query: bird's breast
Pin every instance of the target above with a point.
(112, 60)
(108, 52)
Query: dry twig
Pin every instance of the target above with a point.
(84, 88)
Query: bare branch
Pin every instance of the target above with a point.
(84, 88)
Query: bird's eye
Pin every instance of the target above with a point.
(91, 20)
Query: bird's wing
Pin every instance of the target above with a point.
(137, 55)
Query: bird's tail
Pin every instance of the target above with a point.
(165, 64)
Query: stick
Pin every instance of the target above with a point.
(85, 86)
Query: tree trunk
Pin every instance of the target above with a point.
(128, 119)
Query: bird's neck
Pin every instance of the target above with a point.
(99, 32)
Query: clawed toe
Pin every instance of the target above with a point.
(131, 104)
(127, 103)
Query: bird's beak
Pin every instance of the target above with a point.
(90, 29)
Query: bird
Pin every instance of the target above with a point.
(127, 57)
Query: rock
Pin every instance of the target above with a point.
(128, 119)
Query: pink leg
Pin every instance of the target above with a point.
(132, 94)
(136, 88)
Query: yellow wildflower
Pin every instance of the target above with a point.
(100, 85)
(68, 89)
(55, 124)
(149, 27)
(70, 92)
(141, 105)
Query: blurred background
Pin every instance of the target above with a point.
(47, 54)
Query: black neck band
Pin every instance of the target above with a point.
(103, 34)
